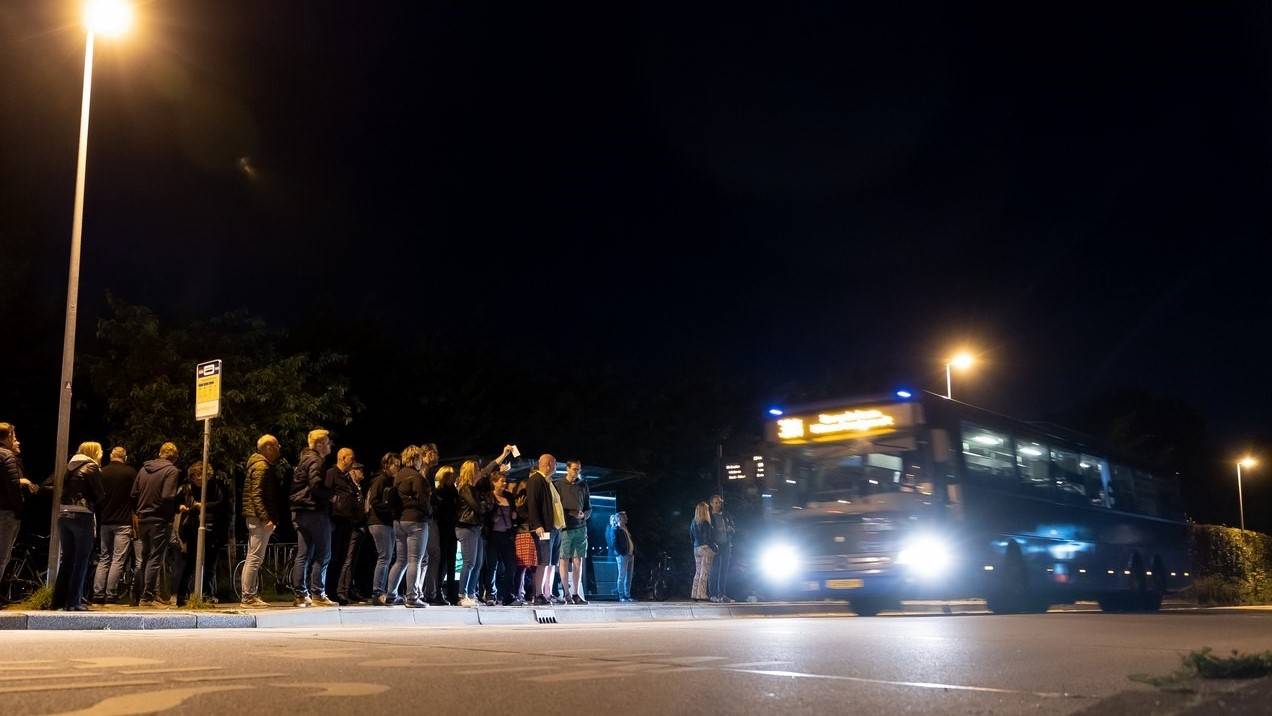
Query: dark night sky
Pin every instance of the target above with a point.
(811, 191)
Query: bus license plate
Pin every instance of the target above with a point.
(844, 584)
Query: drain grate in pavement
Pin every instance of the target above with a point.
(545, 616)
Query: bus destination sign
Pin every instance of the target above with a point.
(841, 424)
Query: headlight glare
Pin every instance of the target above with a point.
(925, 556)
(779, 561)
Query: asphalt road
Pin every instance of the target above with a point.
(1053, 663)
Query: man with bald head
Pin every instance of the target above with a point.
(545, 518)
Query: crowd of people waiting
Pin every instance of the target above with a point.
(514, 539)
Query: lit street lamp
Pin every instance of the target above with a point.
(962, 361)
(110, 18)
(1246, 462)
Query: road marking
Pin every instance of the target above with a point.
(915, 684)
(171, 670)
(226, 677)
(338, 688)
(567, 652)
(38, 665)
(64, 687)
(687, 660)
(147, 702)
(575, 676)
(505, 669)
(753, 664)
(107, 662)
(32, 677)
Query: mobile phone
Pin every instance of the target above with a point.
(516, 452)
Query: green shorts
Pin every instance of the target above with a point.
(574, 542)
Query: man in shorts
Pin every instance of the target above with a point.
(577, 505)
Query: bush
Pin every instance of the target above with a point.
(1231, 566)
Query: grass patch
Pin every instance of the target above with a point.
(1203, 664)
(41, 598)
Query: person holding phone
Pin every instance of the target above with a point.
(577, 503)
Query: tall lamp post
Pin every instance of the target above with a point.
(1246, 462)
(109, 18)
(962, 361)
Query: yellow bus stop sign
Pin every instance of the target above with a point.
(207, 390)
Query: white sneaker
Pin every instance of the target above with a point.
(467, 602)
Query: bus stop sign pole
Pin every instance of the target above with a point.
(207, 405)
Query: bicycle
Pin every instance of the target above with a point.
(659, 577)
(279, 560)
(28, 571)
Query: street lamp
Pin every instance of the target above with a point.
(110, 18)
(1247, 462)
(962, 361)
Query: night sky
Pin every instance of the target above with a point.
(809, 194)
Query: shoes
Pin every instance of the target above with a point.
(100, 601)
(80, 608)
(379, 601)
(556, 600)
(467, 602)
(439, 602)
(356, 598)
(254, 603)
(304, 601)
(726, 600)
(539, 601)
(576, 599)
(211, 600)
(396, 602)
(416, 604)
(518, 602)
(323, 601)
(342, 601)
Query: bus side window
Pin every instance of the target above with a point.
(1123, 487)
(1070, 482)
(1035, 472)
(987, 456)
(1146, 494)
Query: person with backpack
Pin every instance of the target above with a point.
(412, 508)
(310, 497)
(379, 512)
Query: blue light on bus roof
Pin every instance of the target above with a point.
(775, 411)
(903, 393)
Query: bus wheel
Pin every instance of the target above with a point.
(1010, 593)
(871, 606)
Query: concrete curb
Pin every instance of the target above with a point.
(364, 616)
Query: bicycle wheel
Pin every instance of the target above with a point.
(237, 578)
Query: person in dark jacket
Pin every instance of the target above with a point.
(115, 528)
(380, 523)
(501, 542)
(260, 512)
(440, 587)
(155, 495)
(412, 507)
(348, 524)
(11, 485)
(704, 551)
(525, 544)
(81, 495)
(187, 530)
(311, 514)
(545, 517)
(473, 507)
(723, 529)
(621, 545)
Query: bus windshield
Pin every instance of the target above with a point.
(883, 474)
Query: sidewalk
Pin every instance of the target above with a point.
(284, 616)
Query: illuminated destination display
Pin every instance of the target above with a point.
(841, 424)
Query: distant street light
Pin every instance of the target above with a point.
(962, 361)
(110, 18)
(1246, 462)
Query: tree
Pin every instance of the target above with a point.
(143, 372)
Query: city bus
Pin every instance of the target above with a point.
(915, 496)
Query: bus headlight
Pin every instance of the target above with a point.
(925, 556)
(779, 561)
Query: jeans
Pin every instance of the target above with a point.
(432, 579)
(410, 544)
(720, 571)
(257, 541)
(115, 544)
(447, 545)
(341, 530)
(383, 536)
(471, 549)
(501, 553)
(703, 556)
(347, 585)
(625, 563)
(313, 552)
(154, 547)
(9, 526)
(75, 529)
